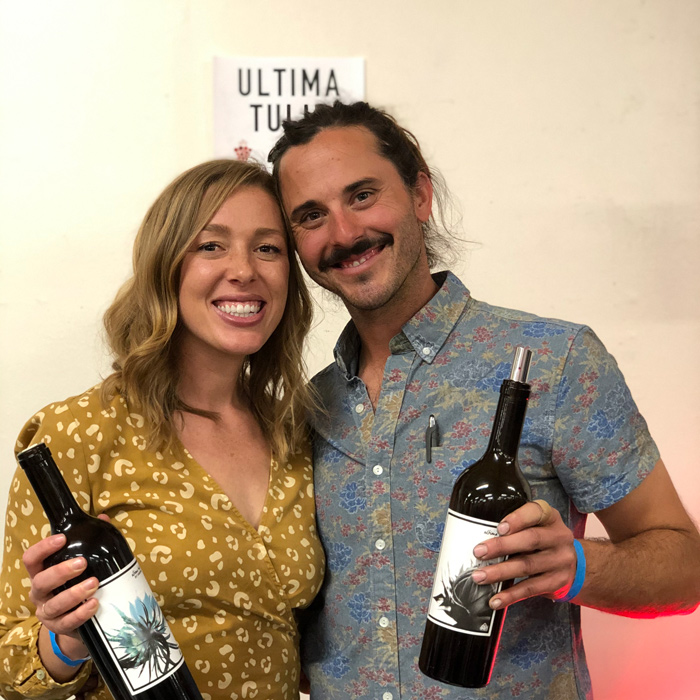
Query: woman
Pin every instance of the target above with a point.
(194, 447)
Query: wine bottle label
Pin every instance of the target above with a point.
(134, 630)
(456, 601)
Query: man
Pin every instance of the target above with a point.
(358, 195)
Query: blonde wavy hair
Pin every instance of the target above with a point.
(142, 324)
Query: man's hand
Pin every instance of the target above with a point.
(540, 549)
(650, 534)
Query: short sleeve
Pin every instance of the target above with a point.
(602, 448)
(22, 674)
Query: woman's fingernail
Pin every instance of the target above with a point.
(77, 564)
(58, 539)
(480, 550)
(90, 605)
(90, 585)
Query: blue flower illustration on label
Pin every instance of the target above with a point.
(144, 640)
(134, 629)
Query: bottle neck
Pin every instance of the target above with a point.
(510, 415)
(48, 484)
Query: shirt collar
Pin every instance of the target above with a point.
(425, 332)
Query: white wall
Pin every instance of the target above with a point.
(568, 130)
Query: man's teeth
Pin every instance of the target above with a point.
(249, 308)
(357, 262)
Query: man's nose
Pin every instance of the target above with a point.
(344, 229)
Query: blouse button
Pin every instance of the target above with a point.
(426, 350)
(380, 544)
(359, 408)
(377, 469)
(383, 622)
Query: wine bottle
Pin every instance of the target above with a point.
(462, 632)
(128, 638)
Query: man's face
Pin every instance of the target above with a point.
(357, 227)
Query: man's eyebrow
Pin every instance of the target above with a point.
(310, 204)
(359, 184)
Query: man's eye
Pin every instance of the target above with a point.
(311, 218)
(363, 196)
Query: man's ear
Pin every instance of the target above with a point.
(423, 197)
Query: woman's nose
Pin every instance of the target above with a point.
(240, 268)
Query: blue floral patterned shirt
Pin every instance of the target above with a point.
(381, 506)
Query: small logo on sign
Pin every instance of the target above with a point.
(242, 151)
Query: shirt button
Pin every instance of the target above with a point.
(387, 696)
(377, 469)
(359, 408)
(380, 544)
(383, 622)
(426, 351)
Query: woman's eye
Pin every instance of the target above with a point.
(208, 247)
(269, 249)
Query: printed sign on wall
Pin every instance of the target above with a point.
(253, 96)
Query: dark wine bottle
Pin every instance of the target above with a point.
(462, 632)
(128, 638)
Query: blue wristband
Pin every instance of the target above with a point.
(579, 576)
(62, 656)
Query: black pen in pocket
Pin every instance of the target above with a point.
(432, 438)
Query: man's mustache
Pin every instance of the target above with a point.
(339, 255)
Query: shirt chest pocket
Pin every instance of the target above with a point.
(432, 484)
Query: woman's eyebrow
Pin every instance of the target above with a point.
(217, 228)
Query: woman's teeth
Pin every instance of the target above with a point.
(249, 308)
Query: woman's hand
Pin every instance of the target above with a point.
(61, 613)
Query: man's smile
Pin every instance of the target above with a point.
(357, 260)
(359, 253)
